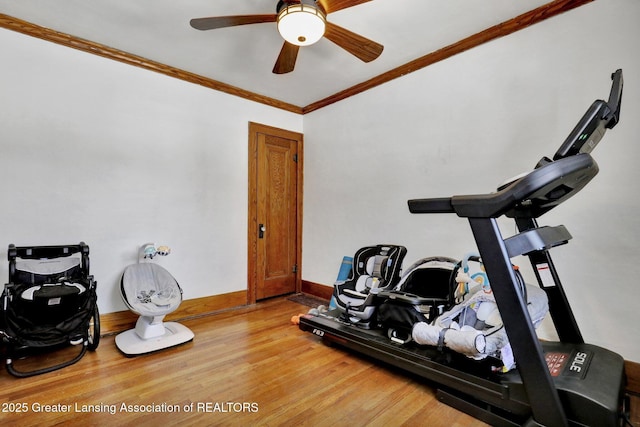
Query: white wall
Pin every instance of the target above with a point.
(463, 126)
(117, 156)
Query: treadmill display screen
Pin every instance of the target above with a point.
(599, 117)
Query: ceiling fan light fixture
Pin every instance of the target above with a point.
(301, 24)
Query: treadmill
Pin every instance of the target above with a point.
(560, 383)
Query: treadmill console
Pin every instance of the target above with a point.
(600, 116)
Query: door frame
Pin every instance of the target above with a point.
(252, 223)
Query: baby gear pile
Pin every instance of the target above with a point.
(438, 302)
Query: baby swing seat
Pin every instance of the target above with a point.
(151, 292)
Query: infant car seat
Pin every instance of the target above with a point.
(375, 268)
(425, 291)
(151, 292)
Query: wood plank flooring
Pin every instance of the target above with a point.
(249, 366)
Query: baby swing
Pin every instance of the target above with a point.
(151, 292)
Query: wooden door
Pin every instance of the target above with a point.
(274, 211)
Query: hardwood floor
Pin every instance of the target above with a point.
(249, 366)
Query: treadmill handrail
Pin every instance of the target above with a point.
(431, 205)
(533, 194)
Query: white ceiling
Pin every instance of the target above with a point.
(244, 56)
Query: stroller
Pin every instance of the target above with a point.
(49, 303)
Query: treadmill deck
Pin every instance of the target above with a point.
(589, 379)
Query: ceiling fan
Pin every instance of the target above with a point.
(302, 23)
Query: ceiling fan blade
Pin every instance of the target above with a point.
(365, 49)
(230, 21)
(335, 5)
(286, 61)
